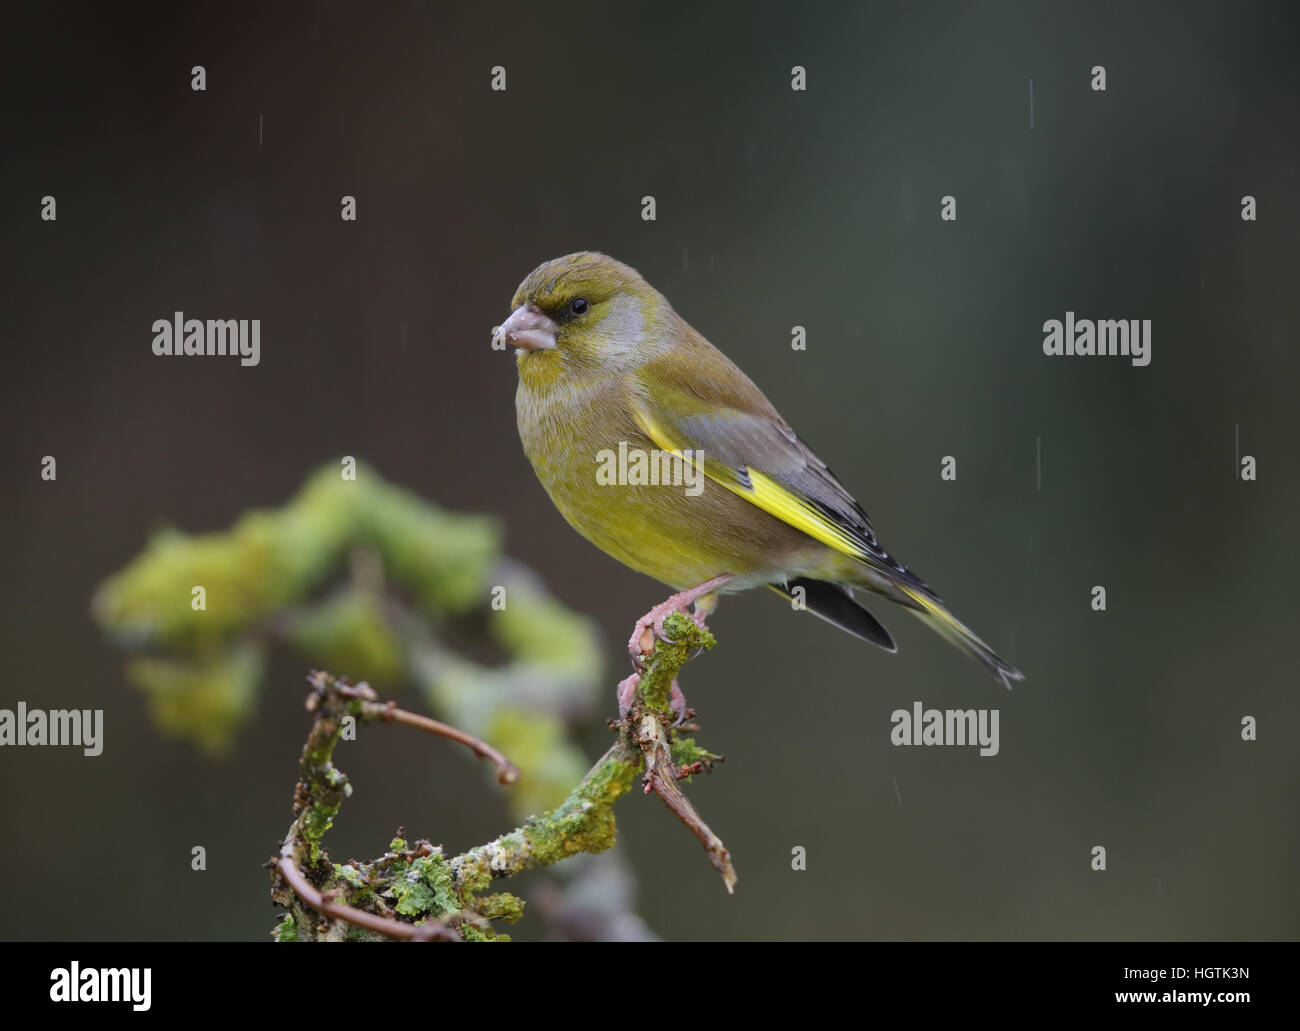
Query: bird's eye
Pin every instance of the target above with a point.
(578, 305)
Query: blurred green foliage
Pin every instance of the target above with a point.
(356, 574)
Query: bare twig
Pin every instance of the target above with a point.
(372, 710)
(507, 772)
(661, 777)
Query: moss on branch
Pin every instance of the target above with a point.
(418, 885)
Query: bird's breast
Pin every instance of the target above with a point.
(644, 507)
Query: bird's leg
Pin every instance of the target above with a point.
(703, 608)
(651, 625)
(627, 692)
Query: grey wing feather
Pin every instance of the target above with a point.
(743, 441)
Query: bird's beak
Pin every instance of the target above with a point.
(528, 329)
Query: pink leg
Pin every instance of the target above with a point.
(627, 692)
(651, 625)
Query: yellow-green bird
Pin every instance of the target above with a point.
(604, 361)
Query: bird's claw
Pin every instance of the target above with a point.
(650, 628)
(677, 702)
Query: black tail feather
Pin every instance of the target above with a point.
(836, 605)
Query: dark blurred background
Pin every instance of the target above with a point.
(775, 208)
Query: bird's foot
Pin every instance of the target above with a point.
(677, 702)
(651, 626)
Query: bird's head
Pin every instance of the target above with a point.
(582, 312)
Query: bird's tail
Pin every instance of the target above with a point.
(835, 604)
(930, 611)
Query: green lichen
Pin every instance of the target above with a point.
(479, 934)
(426, 886)
(471, 875)
(286, 930)
(362, 891)
(501, 906)
(318, 819)
(414, 895)
(669, 656)
(438, 876)
(584, 822)
(685, 752)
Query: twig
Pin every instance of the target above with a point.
(646, 725)
(661, 776)
(372, 710)
(507, 772)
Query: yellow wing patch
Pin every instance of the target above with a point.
(790, 508)
(767, 494)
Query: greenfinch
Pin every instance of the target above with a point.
(609, 374)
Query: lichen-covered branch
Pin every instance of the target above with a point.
(583, 822)
(324, 903)
(419, 892)
(305, 881)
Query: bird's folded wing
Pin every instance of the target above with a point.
(756, 455)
